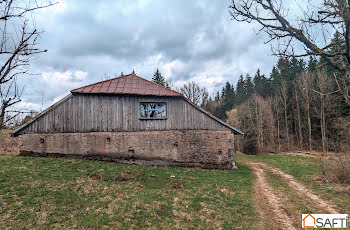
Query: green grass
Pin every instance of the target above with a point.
(306, 170)
(41, 193)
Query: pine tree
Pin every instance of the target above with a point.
(227, 101)
(261, 85)
(248, 86)
(240, 91)
(229, 96)
(311, 66)
(158, 78)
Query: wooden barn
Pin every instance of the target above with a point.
(129, 119)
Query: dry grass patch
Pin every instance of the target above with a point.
(336, 169)
(308, 171)
(293, 203)
(8, 144)
(65, 196)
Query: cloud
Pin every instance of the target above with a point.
(186, 40)
(27, 106)
(48, 87)
(80, 75)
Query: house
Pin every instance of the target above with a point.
(309, 221)
(129, 119)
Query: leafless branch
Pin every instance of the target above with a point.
(289, 34)
(18, 46)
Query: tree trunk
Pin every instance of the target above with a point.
(304, 85)
(278, 128)
(273, 128)
(283, 96)
(286, 123)
(309, 123)
(300, 140)
(2, 115)
(257, 121)
(323, 124)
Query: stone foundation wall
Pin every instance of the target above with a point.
(191, 148)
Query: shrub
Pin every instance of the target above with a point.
(249, 145)
(336, 169)
(8, 144)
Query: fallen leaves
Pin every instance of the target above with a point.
(119, 194)
(225, 190)
(131, 176)
(95, 176)
(121, 178)
(125, 179)
(177, 185)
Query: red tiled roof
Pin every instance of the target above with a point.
(128, 84)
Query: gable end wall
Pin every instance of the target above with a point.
(116, 113)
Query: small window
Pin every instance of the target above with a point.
(152, 110)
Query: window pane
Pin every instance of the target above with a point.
(152, 110)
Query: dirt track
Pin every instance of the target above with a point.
(273, 206)
(270, 204)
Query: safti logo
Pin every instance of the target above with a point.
(325, 220)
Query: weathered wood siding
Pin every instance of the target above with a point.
(112, 113)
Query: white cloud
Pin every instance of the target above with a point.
(55, 85)
(57, 76)
(80, 75)
(186, 40)
(170, 67)
(59, 97)
(24, 105)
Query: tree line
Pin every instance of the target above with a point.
(309, 105)
(298, 107)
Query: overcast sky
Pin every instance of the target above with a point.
(187, 41)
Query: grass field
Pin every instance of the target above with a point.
(71, 193)
(306, 170)
(41, 193)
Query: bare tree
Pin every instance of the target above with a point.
(276, 111)
(259, 119)
(194, 92)
(269, 107)
(324, 92)
(255, 116)
(9, 96)
(309, 33)
(304, 84)
(42, 100)
(284, 97)
(298, 117)
(18, 45)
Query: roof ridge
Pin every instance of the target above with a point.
(121, 76)
(128, 84)
(157, 84)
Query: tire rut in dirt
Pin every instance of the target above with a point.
(274, 207)
(302, 190)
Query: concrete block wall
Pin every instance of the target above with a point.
(192, 148)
